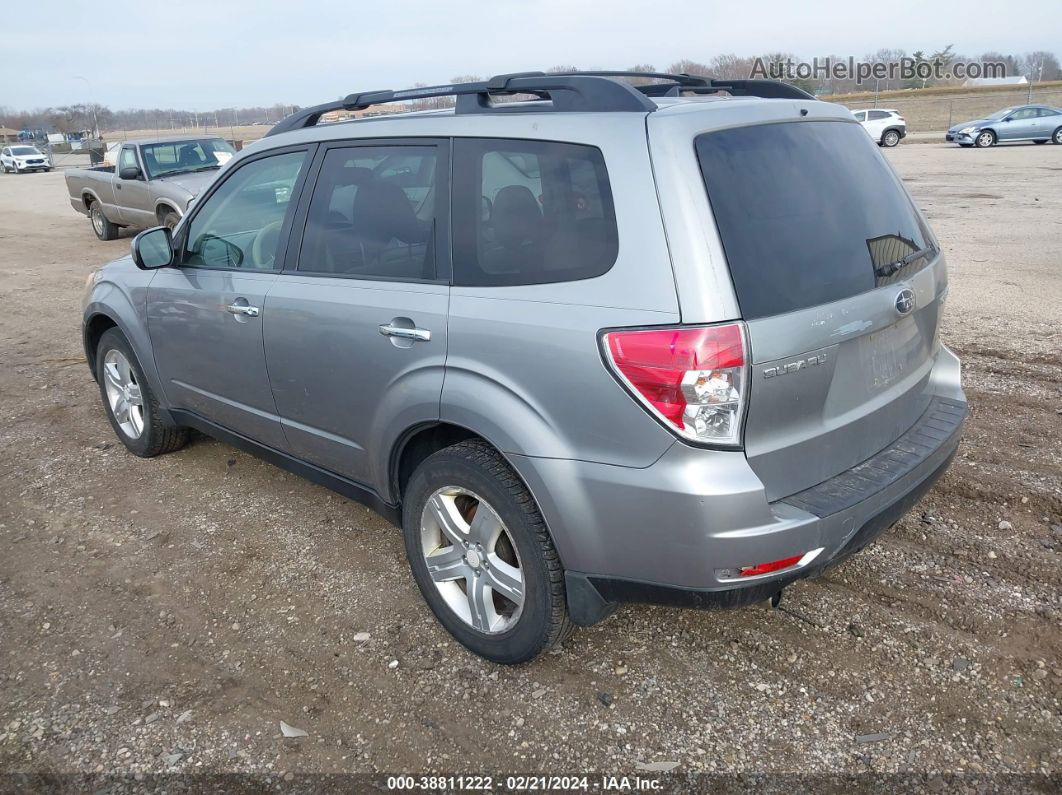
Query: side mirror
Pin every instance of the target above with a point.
(1009, 118)
(129, 172)
(153, 249)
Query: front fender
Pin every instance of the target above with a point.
(168, 204)
(122, 304)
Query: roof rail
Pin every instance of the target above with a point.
(586, 92)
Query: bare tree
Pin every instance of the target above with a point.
(688, 67)
(1041, 65)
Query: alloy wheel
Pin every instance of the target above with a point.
(123, 393)
(97, 221)
(472, 559)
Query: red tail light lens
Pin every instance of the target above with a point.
(692, 378)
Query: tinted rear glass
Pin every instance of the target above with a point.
(808, 213)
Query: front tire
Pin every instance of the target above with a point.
(170, 220)
(890, 138)
(984, 139)
(103, 228)
(482, 556)
(131, 406)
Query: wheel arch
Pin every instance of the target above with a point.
(93, 330)
(110, 308)
(424, 439)
(89, 197)
(164, 206)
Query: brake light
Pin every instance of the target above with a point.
(691, 378)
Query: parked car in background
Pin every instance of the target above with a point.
(1037, 123)
(614, 344)
(20, 158)
(152, 183)
(885, 125)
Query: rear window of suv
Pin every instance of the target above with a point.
(808, 213)
(530, 212)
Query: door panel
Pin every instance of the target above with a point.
(345, 391)
(205, 317)
(211, 360)
(355, 338)
(132, 195)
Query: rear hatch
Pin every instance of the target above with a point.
(839, 281)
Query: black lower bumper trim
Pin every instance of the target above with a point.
(592, 598)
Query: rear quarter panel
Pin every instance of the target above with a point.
(524, 366)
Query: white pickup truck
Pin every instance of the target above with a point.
(151, 185)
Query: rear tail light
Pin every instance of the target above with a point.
(693, 379)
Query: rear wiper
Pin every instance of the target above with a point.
(887, 269)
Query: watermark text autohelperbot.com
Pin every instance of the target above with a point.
(905, 68)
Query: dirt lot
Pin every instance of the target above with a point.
(166, 615)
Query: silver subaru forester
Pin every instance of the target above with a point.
(586, 342)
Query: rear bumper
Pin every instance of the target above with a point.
(678, 532)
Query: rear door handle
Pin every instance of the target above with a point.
(417, 334)
(242, 309)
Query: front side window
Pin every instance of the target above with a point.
(184, 157)
(530, 212)
(239, 224)
(127, 158)
(372, 214)
(1026, 113)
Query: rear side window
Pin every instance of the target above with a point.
(808, 213)
(530, 212)
(372, 214)
(878, 115)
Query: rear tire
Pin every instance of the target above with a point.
(131, 405)
(103, 228)
(890, 138)
(1056, 137)
(480, 498)
(984, 139)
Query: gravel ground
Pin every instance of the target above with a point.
(166, 616)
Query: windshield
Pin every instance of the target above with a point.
(999, 114)
(808, 213)
(24, 150)
(185, 157)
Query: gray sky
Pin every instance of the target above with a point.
(202, 55)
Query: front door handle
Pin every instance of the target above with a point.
(416, 334)
(242, 309)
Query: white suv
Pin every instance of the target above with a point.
(24, 158)
(885, 125)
